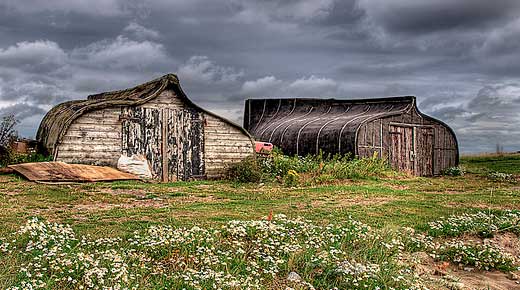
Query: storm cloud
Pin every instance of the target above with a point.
(460, 58)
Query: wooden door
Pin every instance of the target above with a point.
(424, 151)
(402, 148)
(185, 143)
(141, 135)
(171, 139)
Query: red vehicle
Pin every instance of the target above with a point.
(263, 147)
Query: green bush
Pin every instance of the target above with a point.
(292, 178)
(500, 176)
(32, 157)
(358, 168)
(454, 171)
(311, 169)
(8, 157)
(278, 164)
(247, 170)
(5, 156)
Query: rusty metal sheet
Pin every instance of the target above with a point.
(64, 172)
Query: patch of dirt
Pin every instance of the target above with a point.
(11, 192)
(443, 275)
(397, 186)
(146, 202)
(444, 191)
(494, 280)
(506, 242)
(139, 193)
(479, 205)
(96, 206)
(5, 178)
(449, 276)
(346, 202)
(201, 199)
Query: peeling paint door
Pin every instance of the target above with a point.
(171, 139)
(185, 141)
(402, 155)
(141, 135)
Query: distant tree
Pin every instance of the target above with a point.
(7, 131)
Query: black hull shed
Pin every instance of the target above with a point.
(393, 127)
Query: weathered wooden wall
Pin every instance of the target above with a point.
(432, 139)
(94, 138)
(169, 133)
(198, 144)
(224, 145)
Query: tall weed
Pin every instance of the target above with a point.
(310, 169)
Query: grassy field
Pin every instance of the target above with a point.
(103, 210)
(506, 163)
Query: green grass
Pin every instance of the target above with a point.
(118, 209)
(505, 163)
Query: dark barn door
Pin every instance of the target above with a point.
(401, 148)
(424, 151)
(171, 139)
(411, 149)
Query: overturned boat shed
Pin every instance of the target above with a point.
(393, 127)
(155, 122)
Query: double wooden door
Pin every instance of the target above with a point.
(411, 149)
(171, 139)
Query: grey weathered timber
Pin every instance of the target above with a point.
(180, 140)
(393, 128)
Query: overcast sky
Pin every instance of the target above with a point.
(461, 58)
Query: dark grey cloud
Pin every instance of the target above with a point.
(459, 57)
(423, 16)
(488, 118)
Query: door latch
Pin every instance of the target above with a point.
(412, 155)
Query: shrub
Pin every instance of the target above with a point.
(484, 224)
(5, 156)
(247, 170)
(358, 168)
(31, 157)
(500, 176)
(454, 171)
(482, 257)
(292, 178)
(8, 157)
(320, 168)
(279, 164)
(313, 169)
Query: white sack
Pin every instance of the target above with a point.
(136, 164)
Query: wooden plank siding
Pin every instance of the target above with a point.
(100, 137)
(94, 138)
(442, 142)
(224, 145)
